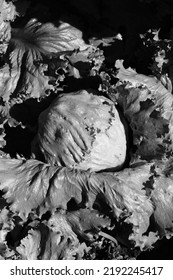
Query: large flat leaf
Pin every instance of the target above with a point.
(31, 185)
(24, 74)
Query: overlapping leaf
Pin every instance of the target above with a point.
(162, 197)
(6, 225)
(26, 73)
(51, 240)
(24, 199)
(87, 222)
(7, 14)
(32, 185)
(63, 242)
(28, 46)
(147, 104)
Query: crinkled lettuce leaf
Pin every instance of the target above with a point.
(7, 14)
(31, 186)
(162, 198)
(24, 73)
(139, 196)
(62, 243)
(51, 240)
(147, 104)
(29, 246)
(6, 224)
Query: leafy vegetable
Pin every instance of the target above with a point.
(125, 194)
(28, 46)
(23, 76)
(68, 202)
(82, 130)
(138, 196)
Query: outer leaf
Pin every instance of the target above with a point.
(7, 14)
(148, 106)
(6, 225)
(26, 75)
(162, 197)
(30, 245)
(28, 46)
(128, 195)
(47, 38)
(27, 196)
(87, 61)
(8, 81)
(8, 10)
(63, 242)
(156, 91)
(51, 240)
(138, 204)
(3, 113)
(32, 184)
(23, 75)
(86, 222)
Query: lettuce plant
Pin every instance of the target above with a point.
(88, 182)
(82, 130)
